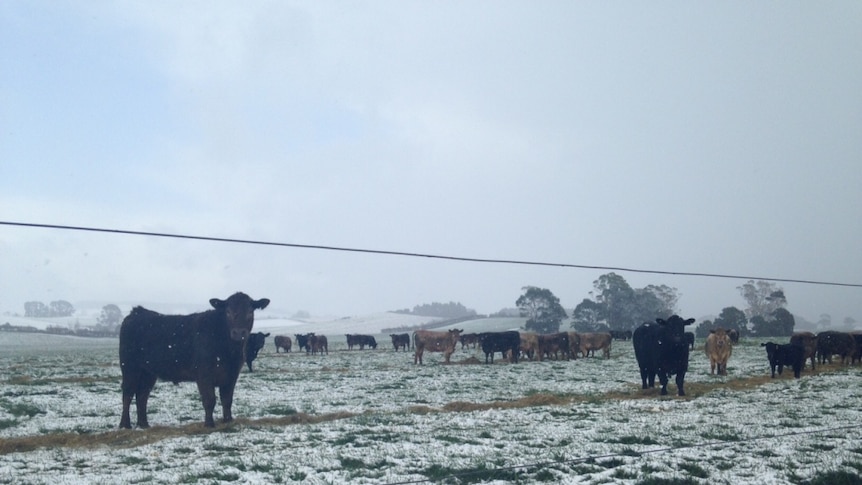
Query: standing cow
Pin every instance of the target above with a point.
(530, 345)
(207, 348)
(718, 348)
(318, 344)
(302, 341)
(832, 342)
(780, 355)
(256, 342)
(282, 342)
(400, 340)
(435, 342)
(661, 349)
(508, 343)
(592, 341)
(360, 340)
(807, 341)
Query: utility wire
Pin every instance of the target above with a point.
(423, 255)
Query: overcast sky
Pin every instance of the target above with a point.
(714, 137)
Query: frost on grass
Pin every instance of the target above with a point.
(374, 417)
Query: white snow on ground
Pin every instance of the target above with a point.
(404, 428)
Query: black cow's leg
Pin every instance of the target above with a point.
(126, 419)
(142, 395)
(207, 392)
(663, 378)
(644, 377)
(680, 379)
(226, 397)
(128, 392)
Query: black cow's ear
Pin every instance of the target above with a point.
(216, 303)
(261, 304)
(689, 321)
(763, 345)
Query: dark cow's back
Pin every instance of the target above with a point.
(207, 348)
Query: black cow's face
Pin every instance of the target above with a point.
(239, 312)
(256, 341)
(771, 347)
(674, 329)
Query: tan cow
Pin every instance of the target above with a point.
(718, 348)
(529, 345)
(590, 342)
(574, 344)
(807, 341)
(435, 342)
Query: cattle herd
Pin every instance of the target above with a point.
(210, 348)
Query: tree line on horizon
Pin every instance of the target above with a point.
(615, 305)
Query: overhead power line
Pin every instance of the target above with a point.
(424, 255)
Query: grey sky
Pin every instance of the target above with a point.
(720, 137)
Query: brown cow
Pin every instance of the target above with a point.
(435, 342)
(808, 341)
(555, 343)
(318, 344)
(282, 342)
(574, 344)
(718, 348)
(590, 342)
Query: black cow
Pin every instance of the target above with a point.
(780, 355)
(400, 340)
(207, 348)
(661, 349)
(621, 334)
(831, 342)
(689, 337)
(255, 343)
(302, 341)
(505, 342)
(361, 341)
(734, 335)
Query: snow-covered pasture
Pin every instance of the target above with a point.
(374, 417)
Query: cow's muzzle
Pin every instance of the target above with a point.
(238, 334)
